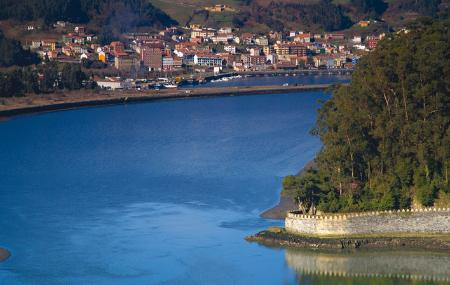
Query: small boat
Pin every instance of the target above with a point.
(170, 86)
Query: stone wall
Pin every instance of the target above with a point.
(429, 220)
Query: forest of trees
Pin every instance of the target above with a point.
(328, 15)
(43, 78)
(386, 136)
(116, 14)
(12, 53)
(277, 15)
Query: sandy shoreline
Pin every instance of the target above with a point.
(10, 107)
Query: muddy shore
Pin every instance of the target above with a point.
(283, 239)
(10, 107)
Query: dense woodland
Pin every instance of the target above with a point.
(386, 136)
(44, 78)
(121, 15)
(12, 53)
(326, 15)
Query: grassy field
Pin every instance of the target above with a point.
(184, 11)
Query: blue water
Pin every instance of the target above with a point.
(153, 193)
(278, 80)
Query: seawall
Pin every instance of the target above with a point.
(425, 221)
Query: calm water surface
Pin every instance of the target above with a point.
(157, 193)
(278, 80)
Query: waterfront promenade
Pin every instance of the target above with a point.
(10, 107)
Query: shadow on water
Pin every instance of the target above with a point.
(369, 267)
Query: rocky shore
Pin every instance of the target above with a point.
(280, 238)
(4, 254)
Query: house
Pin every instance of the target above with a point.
(48, 44)
(202, 33)
(228, 58)
(253, 60)
(230, 48)
(303, 38)
(102, 56)
(335, 36)
(327, 61)
(238, 66)
(118, 49)
(372, 43)
(80, 30)
(247, 38)
(271, 58)
(207, 60)
(255, 51)
(291, 48)
(219, 8)
(267, 50)
(167, 63)
(357, 39)
(262, 41)
(225, 30)
(52, 55)
(35, 44)
(222, 38)
(152, 57)
(364, 24)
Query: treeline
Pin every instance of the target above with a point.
(330, 15)
(281, 16)
(386, 136)
(118, 14)
(429, 8)
(368, 8)
(44, 78)
(12, 53)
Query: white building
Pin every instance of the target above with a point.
(230, 49)
(207, 60)
(113, 83)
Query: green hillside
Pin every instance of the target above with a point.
(320, 15)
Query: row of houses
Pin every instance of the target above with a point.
(178, 49)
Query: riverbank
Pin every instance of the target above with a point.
(287, 199)
(4, 254)
(281, 238)
(10, 107)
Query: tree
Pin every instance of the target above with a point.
(386, 135)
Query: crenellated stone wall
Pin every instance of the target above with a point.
(428, 220)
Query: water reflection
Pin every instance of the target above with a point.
(369, 267)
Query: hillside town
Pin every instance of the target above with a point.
(191, 53)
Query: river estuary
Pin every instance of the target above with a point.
(165, 192)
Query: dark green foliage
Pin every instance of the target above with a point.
(422, 7)
(44, 78)
(372, 8)
(386, 137)
(322, 15)
(120, 14)
(12, 53)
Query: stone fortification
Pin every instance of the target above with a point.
(428, 220)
